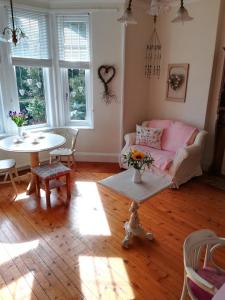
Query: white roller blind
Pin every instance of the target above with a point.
(35, 26)
(73, 40)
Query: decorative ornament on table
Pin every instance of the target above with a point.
(106, 73)
(175, 81)
(138, 160)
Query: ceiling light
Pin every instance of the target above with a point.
(15, 33)
(182, 14)
(127, 17)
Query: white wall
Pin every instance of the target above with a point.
(136, 85)
(193, 43)
(103, 143)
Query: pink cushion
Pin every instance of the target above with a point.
(213, 276)
(177, 136)
(162, 159)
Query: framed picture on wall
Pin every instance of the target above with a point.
(177, 82)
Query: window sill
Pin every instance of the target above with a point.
(48, 128)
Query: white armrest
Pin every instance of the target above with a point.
(201, 282)
(191, 151)
(130, 138)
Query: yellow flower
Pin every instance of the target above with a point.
(137, 155)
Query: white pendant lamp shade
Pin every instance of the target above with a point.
(182, 15)
(128, 17)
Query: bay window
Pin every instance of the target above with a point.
(52, 87)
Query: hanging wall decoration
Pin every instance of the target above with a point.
(153, 54)
(177, 82)
(106, 73)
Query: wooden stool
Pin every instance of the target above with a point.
(49, 176)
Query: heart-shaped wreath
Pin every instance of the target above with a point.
(106, 74)
(175, 81)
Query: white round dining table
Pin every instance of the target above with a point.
(32, 144)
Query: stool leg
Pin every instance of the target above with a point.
(47, 191)
(68, 188)
(38, 187)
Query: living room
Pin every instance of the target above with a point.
(88, 85)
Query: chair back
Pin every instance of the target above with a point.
(69, 134)
(201, 242)
(195, 244)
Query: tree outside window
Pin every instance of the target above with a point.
(30, 85)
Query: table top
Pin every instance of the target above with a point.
(35, 142)
(151, 184)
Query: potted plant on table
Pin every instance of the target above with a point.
(138, 160)
(19, 119)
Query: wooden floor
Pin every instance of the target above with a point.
(76, 253)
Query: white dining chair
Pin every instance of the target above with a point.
(8, 168)
(201, 280)
(67, 152)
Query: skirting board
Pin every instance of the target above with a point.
(97, 157)
(79, 156)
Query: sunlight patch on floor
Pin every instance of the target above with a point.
(90, 212)
(12, 250)
(105, 278)
(20, 288)
(22, 196)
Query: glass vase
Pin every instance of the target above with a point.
(20, 131)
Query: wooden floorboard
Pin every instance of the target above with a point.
(75, 252)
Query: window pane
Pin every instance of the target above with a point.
(77, 94)
(35, 27)
(31, 94)
(73, 38)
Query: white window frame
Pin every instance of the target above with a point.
(64, 66)
(81, 123)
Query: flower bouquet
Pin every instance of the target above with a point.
(18, 118)
(138, 160)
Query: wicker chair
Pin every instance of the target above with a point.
(201, 282)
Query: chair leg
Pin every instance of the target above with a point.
(68, 160)
(184, 290)
(6, 176)
(17, 175)
(12, 181)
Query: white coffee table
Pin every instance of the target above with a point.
(151, 185)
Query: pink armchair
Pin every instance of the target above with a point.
(180, 153)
